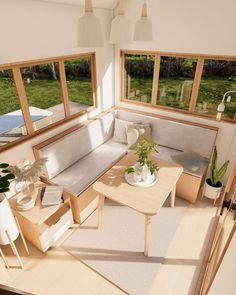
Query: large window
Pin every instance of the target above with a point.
(79, 83)
(34, 95)
(138, 77)
(10, 115)
(176, 81)
(218, 76)
(181, 82)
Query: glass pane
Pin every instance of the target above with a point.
(218, 77)
(138, 77)
(79, 84)
(11, 119)
(43, 91)
(176, 81)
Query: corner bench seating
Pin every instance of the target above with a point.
(81, 154)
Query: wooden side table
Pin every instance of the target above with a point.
(43, 226)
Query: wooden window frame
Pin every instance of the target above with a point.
(20, 89)
(196, 82)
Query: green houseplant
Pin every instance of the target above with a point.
(213, 184)
(145, 167)
(5, 176)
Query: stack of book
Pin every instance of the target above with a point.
(52, 195)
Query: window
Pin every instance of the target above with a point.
(11, 118)
(35, 95)
(138, 77)
(43, 92)
(176, 81)
(218, 76)
(180, 82)
(79, 84)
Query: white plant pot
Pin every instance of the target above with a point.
(212, 192)
(137, 177)
(7, 221)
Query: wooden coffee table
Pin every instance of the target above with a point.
(147, 201)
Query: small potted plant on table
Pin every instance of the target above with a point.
(213, 186)
(144, 169)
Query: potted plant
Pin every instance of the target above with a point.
(213, 186)
(145, 167)
(5, 176)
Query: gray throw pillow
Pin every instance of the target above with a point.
(120, 130)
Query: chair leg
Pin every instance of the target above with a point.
(22, 236)
(14, 249)
(4, 259)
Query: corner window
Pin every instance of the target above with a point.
(79, 84)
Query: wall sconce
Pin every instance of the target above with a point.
(90, 32)
(221, 106)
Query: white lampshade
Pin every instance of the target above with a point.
(121, 29)
(143, 27)
(90, 32)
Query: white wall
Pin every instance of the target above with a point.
(32, 30)
(187, 26)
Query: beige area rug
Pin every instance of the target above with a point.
(116, 251)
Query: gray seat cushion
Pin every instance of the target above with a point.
(85, 171)
(192, 163)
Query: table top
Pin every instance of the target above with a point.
(15, 119)
(147, 201)
(37, 214)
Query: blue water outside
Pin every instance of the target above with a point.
(9, 122)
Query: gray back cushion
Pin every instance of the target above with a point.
(176, 135)
(65, 151)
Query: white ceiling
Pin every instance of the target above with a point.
(110, 4)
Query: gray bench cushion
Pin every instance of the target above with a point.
(85, 171)
(192, 163)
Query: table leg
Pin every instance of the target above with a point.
(4, 259)
(146, 233)
(13, 247)
(172, 197)
(100, 210)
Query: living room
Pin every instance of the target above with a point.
(46, 33)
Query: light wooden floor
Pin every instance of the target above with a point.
(57, 272)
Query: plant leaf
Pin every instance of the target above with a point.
(221, 172)
(4, 165)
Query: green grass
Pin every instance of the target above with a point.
(44, 94)
(211, 92)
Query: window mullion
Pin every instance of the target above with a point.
(196, 84)
(94, 80)
(64, 88)
(23, 99)
(155, 78)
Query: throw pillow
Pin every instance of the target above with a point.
(135, 132)
(190, 161)
(120, 130)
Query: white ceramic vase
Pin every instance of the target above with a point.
(143, 171)
(7, 221)
(211, 192)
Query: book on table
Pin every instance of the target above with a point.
(52, 195)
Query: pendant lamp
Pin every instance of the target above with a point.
(90, 32)
(121, 30)
(143, 27)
